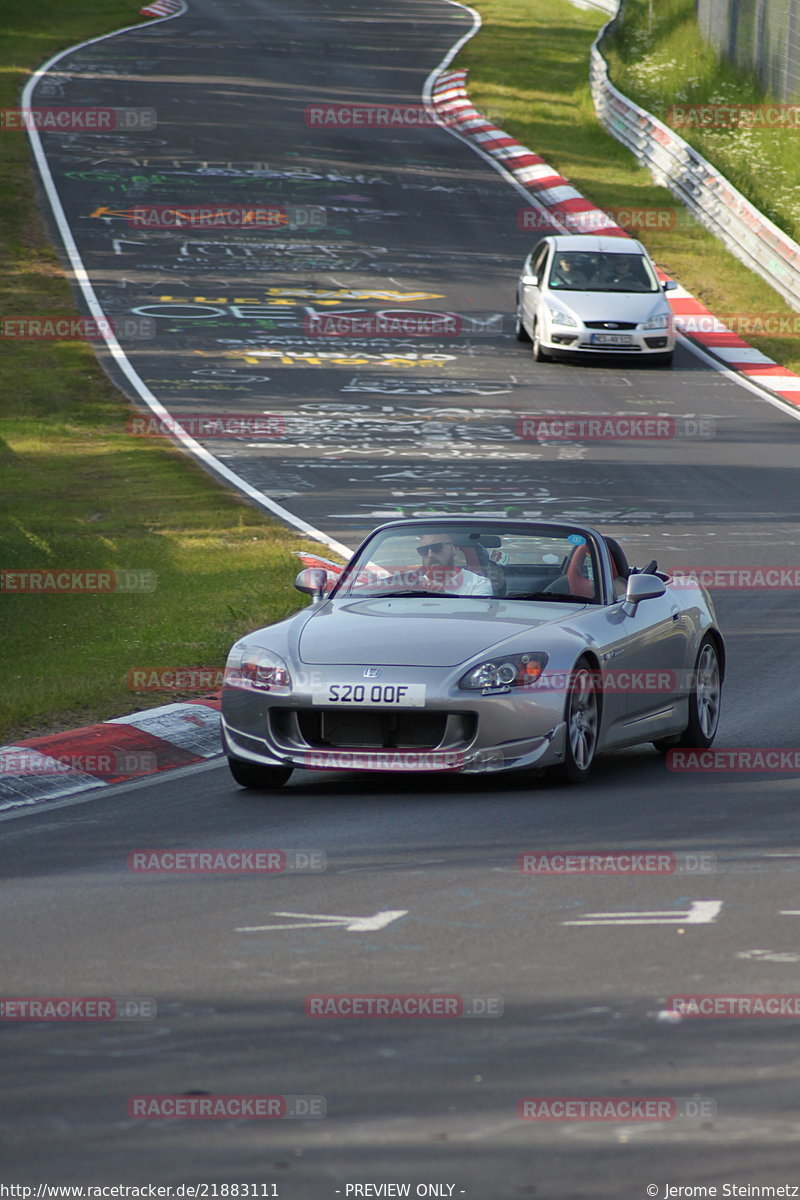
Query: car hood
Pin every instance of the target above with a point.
(438, 631)
(611, 306)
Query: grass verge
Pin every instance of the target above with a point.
(658, 57)
(76, 491)
(530, 63)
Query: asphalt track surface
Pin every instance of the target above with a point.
(422, 1101)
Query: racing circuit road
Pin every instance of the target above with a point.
(426, 425)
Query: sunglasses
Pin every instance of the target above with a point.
(436, 547)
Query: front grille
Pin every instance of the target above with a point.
(610, 326)
(370, 729)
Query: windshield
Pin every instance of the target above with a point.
(586, 271)
(442, 560)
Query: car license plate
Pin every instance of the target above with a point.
(611, 339)
(371, 695)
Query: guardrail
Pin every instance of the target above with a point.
(716, 203)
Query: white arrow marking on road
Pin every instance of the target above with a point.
(701, 912)
(319, 921)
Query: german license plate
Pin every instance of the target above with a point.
(371, 695)
(611, 339)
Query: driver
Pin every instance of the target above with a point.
(623, 274)
(439, 570)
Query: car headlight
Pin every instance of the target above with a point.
(513, 670)
(557, 317)
(661, 322)
(256, 669)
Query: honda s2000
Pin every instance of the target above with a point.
(468, 644)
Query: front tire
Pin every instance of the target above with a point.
(704, 704)
(520, 332)
(661, 360)
(582, 718)
(258, 778)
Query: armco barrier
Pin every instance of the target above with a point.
(745, 231)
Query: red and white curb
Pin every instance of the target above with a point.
(57, 765)
(573, 213)
(162, 8)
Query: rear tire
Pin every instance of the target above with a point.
(539, 355)
(258, 778)
(582, 718)
(704, 704)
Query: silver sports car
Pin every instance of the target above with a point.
(469, 644)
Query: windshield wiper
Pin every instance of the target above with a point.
(558, 596)
(395, 595)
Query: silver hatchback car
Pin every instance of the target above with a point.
(580, 294)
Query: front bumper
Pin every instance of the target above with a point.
(568, 340)
(456, 731)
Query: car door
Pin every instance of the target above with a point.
(658, 637)
(531, 293)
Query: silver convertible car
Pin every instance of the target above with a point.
(469, 644)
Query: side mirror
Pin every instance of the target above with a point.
(530, 281)
(669, 285)
(642, 587)
(313, 581)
